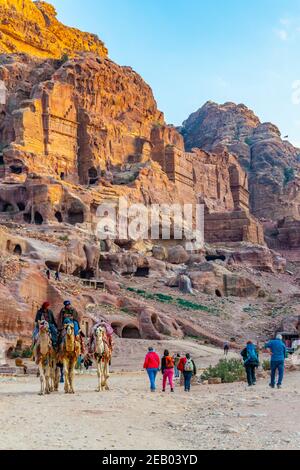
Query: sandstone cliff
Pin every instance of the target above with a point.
(32, 27)
(272, 163)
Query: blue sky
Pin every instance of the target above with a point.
(192, 51)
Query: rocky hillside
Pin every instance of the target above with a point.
(32, 27)
(272, 163)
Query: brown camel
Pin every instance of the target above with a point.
(44, 353)
(70, 351)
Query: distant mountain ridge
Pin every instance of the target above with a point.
(273, 164)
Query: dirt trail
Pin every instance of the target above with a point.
(129, 417)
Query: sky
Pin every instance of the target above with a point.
(192, 51)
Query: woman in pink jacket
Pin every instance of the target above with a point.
(151, 364)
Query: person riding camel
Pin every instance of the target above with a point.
(45, 314)
(109, 332)
(67, 314)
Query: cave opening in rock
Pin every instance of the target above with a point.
(75, 216)
(21, 206)
(154, 319)
(142, 272)
(1, 159)
(93, 176)
(17, 170)
(58, 216)
(87, 273)
(18, 250)
(215, 258)
(218, 293)
(27, 218)
(62, 176)
(38, 218)
(7, 207)
(117, 326)
(131, 332)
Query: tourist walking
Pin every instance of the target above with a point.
(176, 358)
(167, 369)
(278, 351)
(48, 274)
(151, 365)
(226, 349)
(188, 369)
(57, 276)
(251, 362)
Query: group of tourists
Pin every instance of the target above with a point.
(250, 355)
(170, 367)
(184, 367)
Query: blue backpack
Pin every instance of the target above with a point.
(252, 355)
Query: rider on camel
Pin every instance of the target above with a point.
(45, 314)
(109, 332)
(67, 314)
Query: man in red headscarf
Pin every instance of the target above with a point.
(45, 314)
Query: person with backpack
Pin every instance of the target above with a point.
(151, 365)
(167, 369)
(188, 369)
(251, 362)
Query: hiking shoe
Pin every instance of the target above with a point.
(279, 386)
(163, 391)
(172, 390)
(272, 386)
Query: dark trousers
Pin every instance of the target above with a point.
(187, 380)
(250, 370)
(277, 365)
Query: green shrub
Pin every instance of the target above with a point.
(229, 371)
(289, 175)
(266, 365)
(27, 353)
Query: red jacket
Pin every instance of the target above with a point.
(181, 364)
(152, 361)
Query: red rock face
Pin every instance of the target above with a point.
(271, 163)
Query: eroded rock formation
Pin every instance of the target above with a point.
(32, 27)
(271, 162)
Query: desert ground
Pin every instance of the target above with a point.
(229, 416)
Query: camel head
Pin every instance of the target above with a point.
(43, 327)
(69, 329)
(100, 332)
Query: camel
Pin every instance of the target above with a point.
(102, 354)
(44, 352)
(69, 355)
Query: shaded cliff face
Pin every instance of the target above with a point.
(271, 162)
(32, 27)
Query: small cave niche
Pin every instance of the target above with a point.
(62, 176)
(16, 170)
(7, 207)
(38, 218)
(1, 159)
(154, 319)
(142, 272)
(93, 176)
(18, 250)
(131, 332)
(75, 216)
(218, 293)
(58, 216)
(21, 206)
(215, 258)
(27, 218)
(117, 327)
(87, 273)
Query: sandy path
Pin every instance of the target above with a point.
(129, 417)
